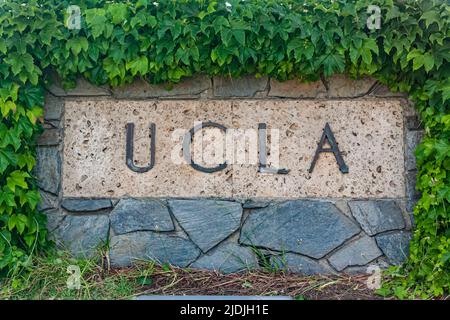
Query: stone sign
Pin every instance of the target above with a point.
(285, 135)
(219, 174)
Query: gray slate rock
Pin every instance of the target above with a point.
(85, 205)
(48, 201)
(227, 258)
(395, 246)
(140, 215)
(246, 86)
(255, 204)
(140, 89)
(54, 107)
(413, 139)
(312, 228)
(50, 137)
(296, 263)
(357, 253)
(129, 248)
(55, 218)
(207, 222)
(83, 235)
(377, 216)
(82, 88)
(48, 169)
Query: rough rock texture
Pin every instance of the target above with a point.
(297, 89)
(413, 139)
(413, 122)
(48, 201)
(141, 89)
(53, 108)
(357, 253)
(82, 235)
(311, 228)
(48, 169)
(82, 88)
(340, 86)
(380, 90)
(377, 216)
(86, 205)
(50, 137)
(55, 218)
(412, 194)
(246, 86)
(395, 246)
(295, 263)
(228, 257)
(255, 204)
(129, 248)
(140, 215)
(207, 222)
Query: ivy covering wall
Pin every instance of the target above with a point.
(167, 40)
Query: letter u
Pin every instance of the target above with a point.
(130, 149)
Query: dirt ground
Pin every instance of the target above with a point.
(197, 282)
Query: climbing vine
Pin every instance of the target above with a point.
(168, 40)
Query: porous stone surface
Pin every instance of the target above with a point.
(86, 205)
(312, 228)
(83, 235)
(228, 257)
(395, 246)
(341, 86)
(296, 263)
(413, 139)
(140, 89)
(377, 216)
(174, 249)
(369, 133)
(297, 89)
(246, 86)
(207, 222)
(99, 169)
(140, 215)
(357, 253)
(48, 169)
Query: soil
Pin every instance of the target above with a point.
(176, 281)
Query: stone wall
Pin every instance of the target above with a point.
(316, 235)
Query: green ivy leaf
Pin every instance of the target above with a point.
(118, 12)
(333, 63)
(77, 44)
(139, 65)
(7, 158)
(17, 221)
(17, 179)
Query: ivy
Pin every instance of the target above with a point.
(167, 40)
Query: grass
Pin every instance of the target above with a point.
(47, 279)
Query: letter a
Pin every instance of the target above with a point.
(329, 136)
